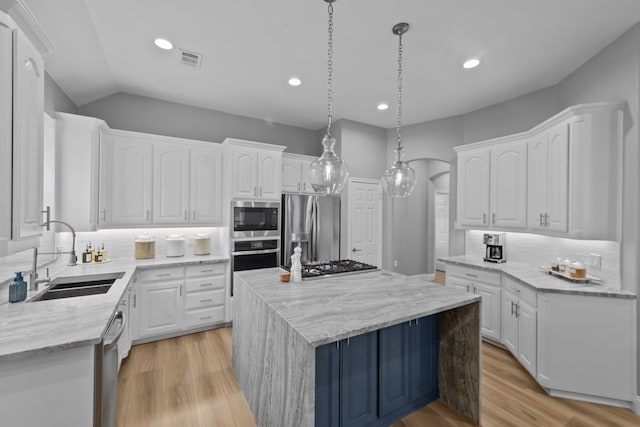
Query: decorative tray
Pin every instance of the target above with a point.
(566, 276)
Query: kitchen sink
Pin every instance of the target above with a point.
(77, 286)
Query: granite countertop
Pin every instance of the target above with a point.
(539, 280)
(334, 308)
(30, 328)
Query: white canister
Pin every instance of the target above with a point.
(202, 244)
(175, 245)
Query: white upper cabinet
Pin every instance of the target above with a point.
(256, 170)
(125, 179)
(206, 185)
(160, 181)
(77, 166)
(562, 178)
(28, 128)
(171, 183)
(295, 173)
(21, 128)
(509, 185)
(549, 179)
(492, 186)
(473, 188)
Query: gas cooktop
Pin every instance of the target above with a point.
(325, 268)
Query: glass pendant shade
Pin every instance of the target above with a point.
(400, 178)
(328, 174)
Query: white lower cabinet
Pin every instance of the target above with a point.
(172, 300)
(487, 285)
(584, 346)
(519, 320)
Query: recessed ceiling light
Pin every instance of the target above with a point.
(163, 44)
(294, 81)
(471, 63)
(383, 106)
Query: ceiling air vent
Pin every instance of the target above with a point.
(192, 59)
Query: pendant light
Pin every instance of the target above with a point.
(329, 174)
(400, 178)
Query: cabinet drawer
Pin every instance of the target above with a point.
(155, 274)
(205, 316)
(475, 274)
(205, 284)
(205, 299)
(524, 292)
(206, 269)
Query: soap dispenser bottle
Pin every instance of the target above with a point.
(86, 255)
(18, 289)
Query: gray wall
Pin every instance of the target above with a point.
(364, 148)
(149, 115)
(55, 99)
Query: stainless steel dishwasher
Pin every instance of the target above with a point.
(106, 374)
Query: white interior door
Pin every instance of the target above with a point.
(365, 221)
(442, 228)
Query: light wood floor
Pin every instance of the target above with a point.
(188, 381)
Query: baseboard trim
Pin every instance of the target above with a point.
(635, 404)
(593, 399)
(180, 333)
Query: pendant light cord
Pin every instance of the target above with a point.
(399, 89)
(330, 71)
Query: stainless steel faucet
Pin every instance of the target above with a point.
(73, 259)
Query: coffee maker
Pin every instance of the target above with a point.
(496, 250)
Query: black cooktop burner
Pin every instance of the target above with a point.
(319, 269)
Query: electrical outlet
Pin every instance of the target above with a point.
(395, 262)
(595, 261)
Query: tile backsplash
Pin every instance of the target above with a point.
(538, 250)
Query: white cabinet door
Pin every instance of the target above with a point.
(527, 335)
(291, 175)
(305, 166)
(160, 308)
(170, 184)
(510, 322)
(473, 188)
(28, 134)
(125, 180)
(509, 185)
(269, 175)
(6, 120)
(245, 174)
(491, 303)
(206, 186)
(538, 178)
(558, 184)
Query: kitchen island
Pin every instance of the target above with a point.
(292, 342)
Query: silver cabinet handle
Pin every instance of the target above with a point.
(186, 215)
(255, 191)
(474, 288)
(470, 275)
(517, 310)
(512, 313)
(484, 218)
(148, 212)
(260, 191)
(515, 289)
(493, 218)
(180, 290)
(298, 186)
(194, 215)
(207, 271)
(546, 220)
(540, 220)
(205, 318)
(206, 284)
(467, 288)
(356, 250)
(304, 186)
(134, 300)
(206, 300)
(119, 315)
(103, 215)
(163, 275)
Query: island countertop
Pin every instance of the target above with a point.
(334, 308)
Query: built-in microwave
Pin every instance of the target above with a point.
(255, 219)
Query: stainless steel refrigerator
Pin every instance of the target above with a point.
(313, 222)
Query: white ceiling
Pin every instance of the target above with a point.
(252, 47)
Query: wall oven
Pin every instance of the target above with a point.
(254, 254)
(255, 219)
